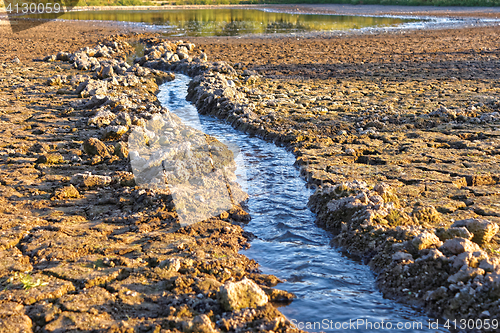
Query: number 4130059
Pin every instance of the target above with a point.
(33, 8)
(471, 324)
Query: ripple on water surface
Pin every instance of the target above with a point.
(329, 286)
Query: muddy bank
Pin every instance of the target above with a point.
(401, 139)
(83, 247)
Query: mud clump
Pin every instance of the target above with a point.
(242, 294)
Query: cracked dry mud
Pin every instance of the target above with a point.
(82, 248)
(417, 112)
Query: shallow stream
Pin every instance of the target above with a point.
(331, 289)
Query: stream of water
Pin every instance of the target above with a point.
(331, 289)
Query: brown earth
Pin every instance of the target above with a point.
(101, 254)
(358, 107)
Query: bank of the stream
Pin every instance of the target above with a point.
(445, 271)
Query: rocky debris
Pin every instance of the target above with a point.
(403, 256)
(242, 294)
(94, 146)
(102, 118)
(63, 56)
(56, 80)
(199, 171)
(91, 88)
(124, 178)
(89, 180)
(114, 132)
(427, 214)
(50, 58)
(50, 158)
(426, 240)
(105, 71)
(444, 113)
(200, 323)
(121, 150)
(459, 245)
(453, 232)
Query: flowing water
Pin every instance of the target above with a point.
(232, 22)
(331, 289)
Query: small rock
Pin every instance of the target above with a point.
(400, 256)
(121, 150)
(67, 192)
(55, 158)
(90, 180)
(240, 295)
(172, 265)
(459, 245)
(426, 240)
(54, 81)
(94, 146)
(102, 118)
(63, 56)
(114, 132)
(50, 58)
(434, 295)
(426, 214)
(124, 178)
(199, 324)
(92, 87)
(465, 273)
(105, 71)
(453, 232)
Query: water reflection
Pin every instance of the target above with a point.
(233, 22)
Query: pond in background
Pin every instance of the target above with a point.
(232, 22)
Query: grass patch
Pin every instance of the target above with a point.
(397, 218)
(27, 281)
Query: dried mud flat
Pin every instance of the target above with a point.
(397, 130)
